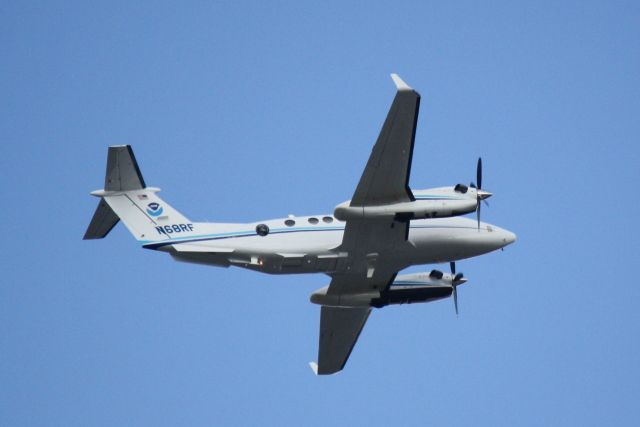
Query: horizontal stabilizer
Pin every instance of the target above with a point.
(104, 219)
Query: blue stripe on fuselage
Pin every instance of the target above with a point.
(150, 244)
(429, 197)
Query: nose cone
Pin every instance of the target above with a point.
(470, 241)
(508, 237)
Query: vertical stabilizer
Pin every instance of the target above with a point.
(123, 173)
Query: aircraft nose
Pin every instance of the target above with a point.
(508, 237)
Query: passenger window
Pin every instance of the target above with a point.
(327, 219)
(313, 220)
(289, 223)
(262, 229)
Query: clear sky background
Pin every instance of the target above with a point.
(242, 111)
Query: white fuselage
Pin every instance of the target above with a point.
(311, 244)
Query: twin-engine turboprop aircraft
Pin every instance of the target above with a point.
(383, 229)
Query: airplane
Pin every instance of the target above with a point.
(384, 228)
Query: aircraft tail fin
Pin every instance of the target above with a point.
(123, 173)
(126, 197)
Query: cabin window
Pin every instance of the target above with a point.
(327, 219)
(313, 220)
(289, 223)
(262, 229)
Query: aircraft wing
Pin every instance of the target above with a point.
(340, 327)
(369, 242)
(339, 331)
(385, 180)
(386, 177)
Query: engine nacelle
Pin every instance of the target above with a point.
(321, 297)
(432, 203)
(406, 289)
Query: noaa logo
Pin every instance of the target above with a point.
(154, 209)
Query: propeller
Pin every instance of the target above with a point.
(457, 279)
(480, 195)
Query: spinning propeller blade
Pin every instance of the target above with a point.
(478, 189)
(481, 195)
(454, 284)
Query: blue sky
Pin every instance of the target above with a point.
(243, 111)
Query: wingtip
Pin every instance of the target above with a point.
(400, 84)
(314, 367)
